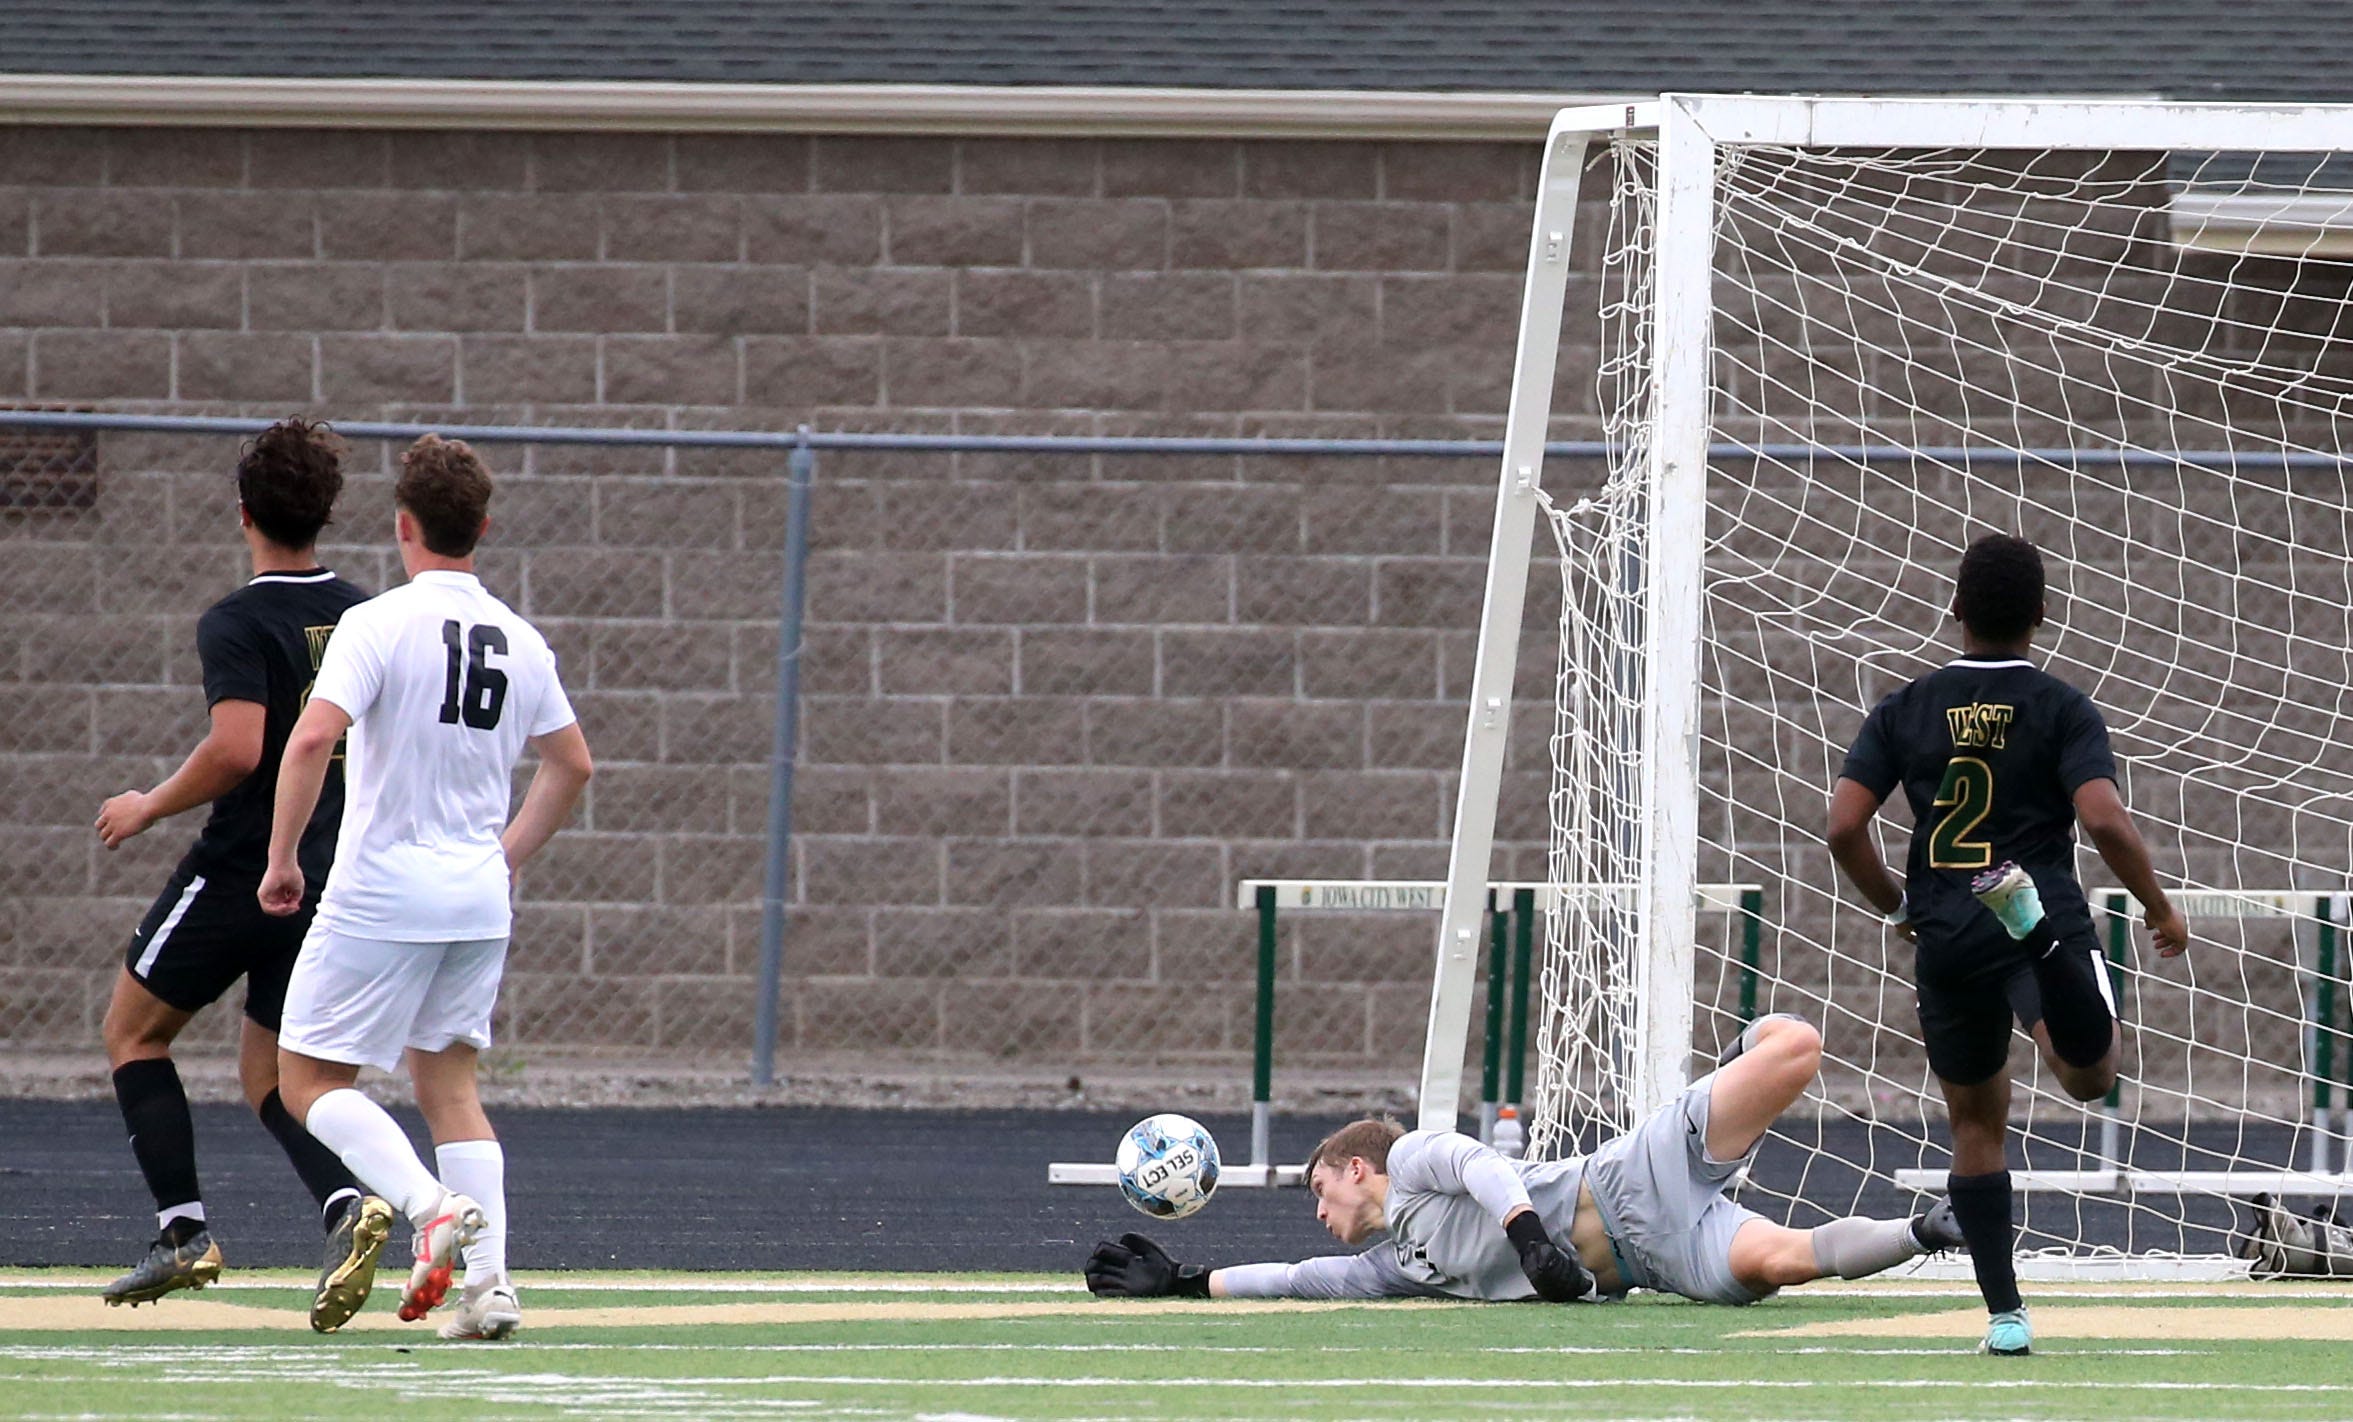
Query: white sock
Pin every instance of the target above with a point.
(375, 1149)
(478, 1169)
(193, 1210)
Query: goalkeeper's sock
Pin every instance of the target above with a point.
(1858, 1247)
(1982, 1205)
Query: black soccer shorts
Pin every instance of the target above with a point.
(1971, 992)
(204, 932)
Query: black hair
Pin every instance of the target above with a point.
(287, 479)
(1998, 594)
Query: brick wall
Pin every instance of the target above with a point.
(1054, 707)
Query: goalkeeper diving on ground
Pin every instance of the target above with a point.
(1646, 1210)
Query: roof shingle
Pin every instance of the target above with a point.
(2251, 49)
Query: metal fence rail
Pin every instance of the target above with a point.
(1052, 696)
(595, 968)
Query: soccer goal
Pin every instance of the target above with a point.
(1826, 342)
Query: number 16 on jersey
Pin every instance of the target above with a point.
(475, 691)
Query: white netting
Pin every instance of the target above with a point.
(1589, 981)
(1911, 349)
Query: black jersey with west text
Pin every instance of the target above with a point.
(262, 643)
(1990, 754)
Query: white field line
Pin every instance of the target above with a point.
(1791, 1384)
(513, 1387)
(262, 1353)
(2095, 1293)
(1563, 1350)
(555, 1284)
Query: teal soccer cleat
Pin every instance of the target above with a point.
(2010, 892)
(2008, 1335)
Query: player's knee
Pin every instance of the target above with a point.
(1981, 1142)
(448, 1102)
(130, 1035)
(302, 1081)
(2088, 1083)
(1794, 1045)
(1794, 1263)
(1768, 1257)
(258, 1082)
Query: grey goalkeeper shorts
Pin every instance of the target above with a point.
(1662, 1201)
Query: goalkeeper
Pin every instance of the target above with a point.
(1646, 1210)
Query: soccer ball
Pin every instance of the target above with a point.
(1167, 1165)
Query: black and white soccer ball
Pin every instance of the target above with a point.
(1167, 1165)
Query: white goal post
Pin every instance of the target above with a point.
(1827, 341)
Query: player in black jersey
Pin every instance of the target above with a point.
(260, 648)
(1999, 761)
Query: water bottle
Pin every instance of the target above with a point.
(1509, 1139)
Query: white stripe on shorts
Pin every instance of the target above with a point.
(2100, 976)
(164, 929)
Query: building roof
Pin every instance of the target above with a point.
(2184, 49)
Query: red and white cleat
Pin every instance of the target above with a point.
(451, 1228)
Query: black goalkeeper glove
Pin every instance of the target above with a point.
(1558, 1274)
(1137, 1268)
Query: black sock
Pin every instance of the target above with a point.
(181, 1230)
(155, 1111)
(322, 1171)
(1981, 1203)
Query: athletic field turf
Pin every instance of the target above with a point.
(1010, 1346)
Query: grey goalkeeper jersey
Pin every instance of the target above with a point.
(1448, 1195)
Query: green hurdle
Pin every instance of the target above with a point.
(1512, 912)
(2112, 1173)
(2321, 1030)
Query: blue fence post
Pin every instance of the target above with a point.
(801, 469)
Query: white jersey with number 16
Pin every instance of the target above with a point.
(444, 684)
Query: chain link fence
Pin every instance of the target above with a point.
(1055, 697)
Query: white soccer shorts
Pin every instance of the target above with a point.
(362, 1001)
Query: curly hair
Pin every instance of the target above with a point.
(1998, 594)
(445, 488)
(287, 479)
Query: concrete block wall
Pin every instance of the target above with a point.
(1054, 707)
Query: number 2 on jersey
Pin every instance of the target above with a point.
(1965, 796)
(476, 691)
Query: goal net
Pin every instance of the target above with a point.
(1830, 343)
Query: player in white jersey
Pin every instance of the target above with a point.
(440, 686)
(1646, 1210)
